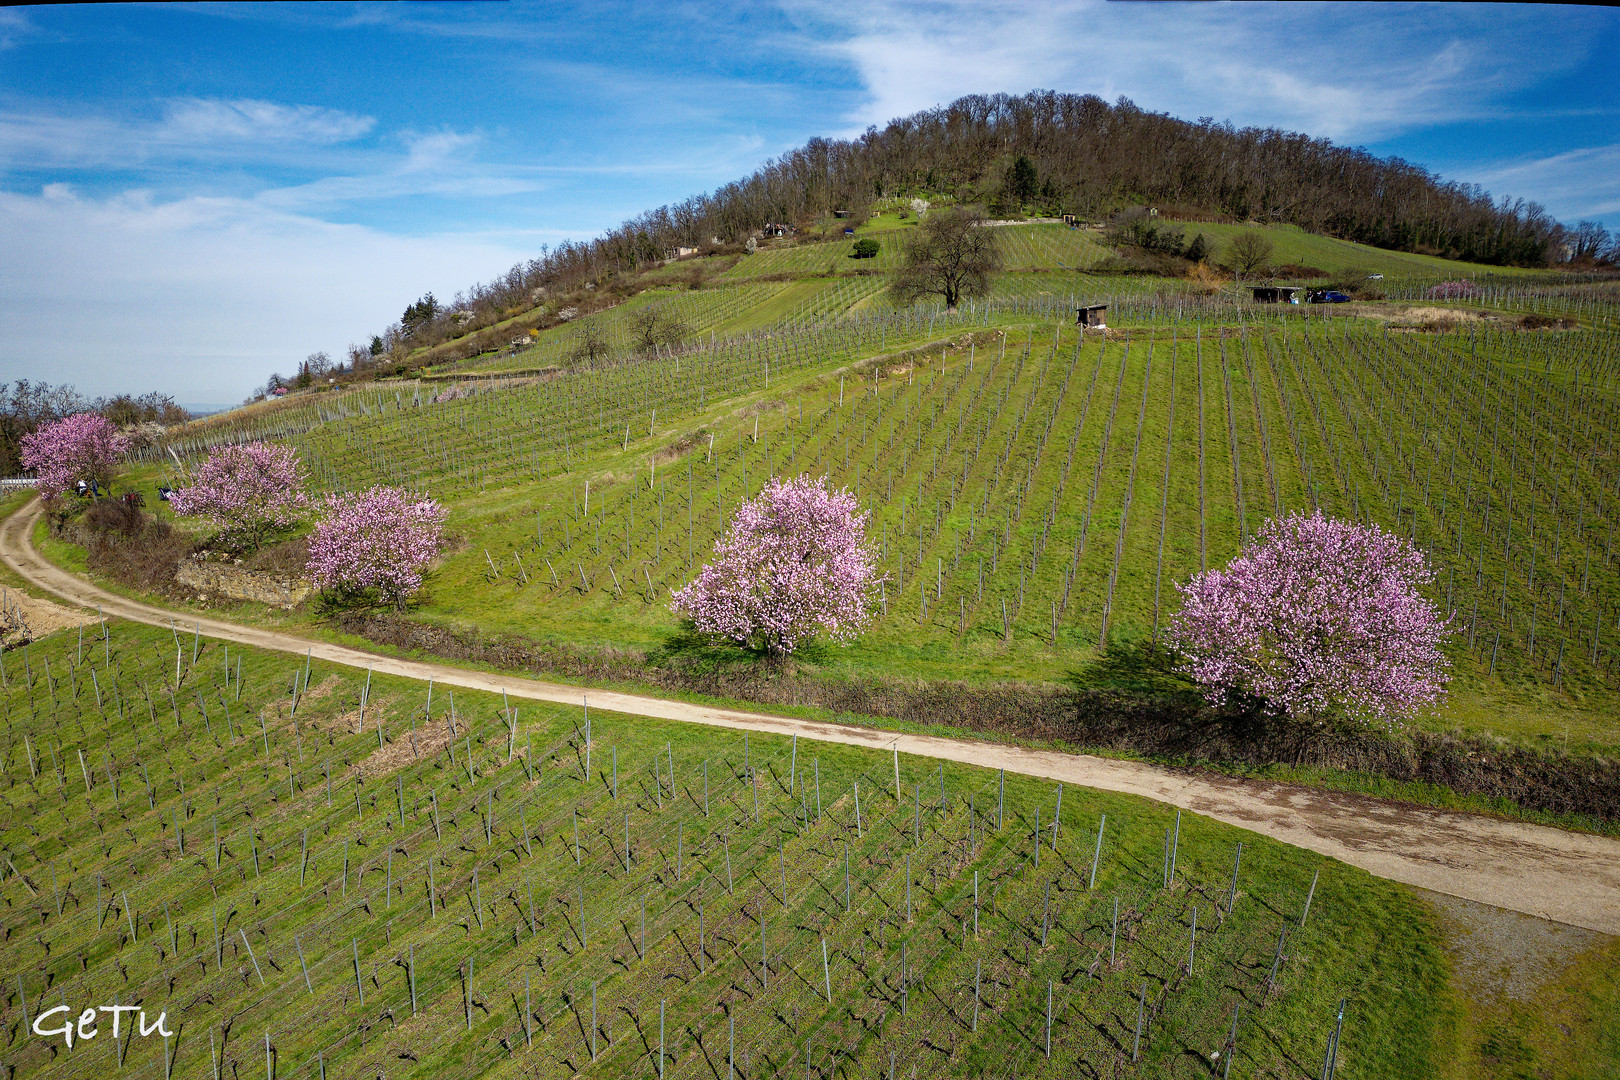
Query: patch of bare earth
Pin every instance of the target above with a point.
(404, 750)
(1500, 955)
(29, 618)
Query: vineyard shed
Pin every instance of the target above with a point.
(1091, 316)
(1277, 294)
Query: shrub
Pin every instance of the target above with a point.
(1316, 618)
(866, 248)
(793, 564)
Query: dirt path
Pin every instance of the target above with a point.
(1568, 877)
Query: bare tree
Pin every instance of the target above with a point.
(949, 256)
(590, 345)
(1588, 240)
(1248, 253)
(652, 327)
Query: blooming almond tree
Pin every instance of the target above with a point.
(382, 539)
(81, 447)
(1316, 617)
(793, 563)
(246, 490)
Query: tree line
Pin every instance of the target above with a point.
(28, 406)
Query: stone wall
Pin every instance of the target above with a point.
(239, 584)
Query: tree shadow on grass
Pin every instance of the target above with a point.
(698, 654)
(1140, 666)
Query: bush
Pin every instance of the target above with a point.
(865, 248)
(133, 547)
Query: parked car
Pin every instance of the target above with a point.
(1329, 296)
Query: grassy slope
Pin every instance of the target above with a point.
(1302, 409)
(1293, 245)
(1349, 450)
(200, 762)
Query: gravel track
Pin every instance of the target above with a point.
(1568, 877)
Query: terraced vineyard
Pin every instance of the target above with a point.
(552, 891)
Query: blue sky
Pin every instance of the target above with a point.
(192, 197)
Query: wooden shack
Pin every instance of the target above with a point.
(1093, 316)
(1277, 294)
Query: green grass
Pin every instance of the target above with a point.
(984, 455)
(1293, 245)
(1024, 462)
(1087, 483)
(171, 764)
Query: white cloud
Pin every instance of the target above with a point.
(39, 136)
(1348, 74)
(189, 121)
(1583, 183)
(203, 297)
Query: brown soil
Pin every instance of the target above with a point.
(40, 617)
(405, 749)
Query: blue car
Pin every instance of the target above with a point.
(1329, 296)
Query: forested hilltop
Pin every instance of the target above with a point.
(1090, 157)
(1045, 154)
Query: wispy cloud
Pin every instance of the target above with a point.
(1583, 183)
(1329, 72)
(38, 135)
(192, 121)
(14, 25)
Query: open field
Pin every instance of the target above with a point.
(498, 861)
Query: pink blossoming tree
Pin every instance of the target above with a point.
(246, 490)
(793, 564)
(382, 539)
(82, 447)
(1454, 290)
(1316, 618)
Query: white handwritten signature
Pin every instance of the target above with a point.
(85, 1026)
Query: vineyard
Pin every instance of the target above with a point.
(549, 891)
(1035, 497)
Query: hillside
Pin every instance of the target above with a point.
(1035, 498)
(542, 891)
(1042, 154)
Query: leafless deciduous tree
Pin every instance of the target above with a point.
(652, 328)
(949, 256)
(1248, 253)
(590, 345)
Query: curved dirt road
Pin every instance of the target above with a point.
(1568, 877)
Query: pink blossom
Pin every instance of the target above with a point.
(1316, 616)
(381, 539)
(793, 563)
(84, 447)
(1453, 290)
(246, 489)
